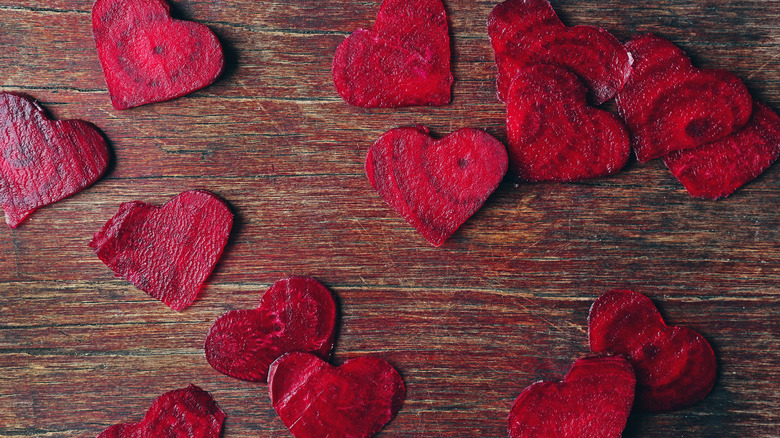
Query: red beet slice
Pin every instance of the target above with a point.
(670, 105)
(169, 251)
(528, 32)
(404, 60)
(554, 135)
(593, 400)
(717, 169)
(295, 314)
(43, 161)
(674, 366)
(185, 413)
(435, 184)
(149, 57)
(315, 399)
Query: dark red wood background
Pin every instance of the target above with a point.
(469, 325)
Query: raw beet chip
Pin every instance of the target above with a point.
(169, 251)
(674, 366)
(315, 399)
(404, 60)
(554, 135)
(149, 57)
(435, 184)
(593, 400)
(670, 105)
(717, 169)
(184, 413)
(42, 160)
(295, 314)
(528, 32)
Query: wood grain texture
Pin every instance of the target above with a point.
(501, 305)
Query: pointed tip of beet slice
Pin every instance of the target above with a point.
(675, 366)
(294, 314)
(190, 412)
(168, 251)
(315, 399)
(593, 400)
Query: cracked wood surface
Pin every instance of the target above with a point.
(501, 305)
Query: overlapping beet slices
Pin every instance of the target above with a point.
(403, 60)
(169, 251)
(528, 32)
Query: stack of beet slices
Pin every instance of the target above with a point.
(705, 125)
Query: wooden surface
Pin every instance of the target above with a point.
(502, 304)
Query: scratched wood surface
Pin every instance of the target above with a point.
(502, 304)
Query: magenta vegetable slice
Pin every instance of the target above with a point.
(183, 413)
(43, 161)
(528, 32)
(404, 60)
(715, 170)
(295, 314)
(169, 251)
(593, 400)
(147, 56)
(675, 366)
(436, 185)
(554, 135)
(315, 399)
(670, 105)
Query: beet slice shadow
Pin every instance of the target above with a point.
(668, 104)
(554, 135)
(315, 399)
(528, 32)
(715, 170)
(295, 314)
(187, 412)
(593, 400)
(675, 366)
(403, 60)
(43, 161)
(436, 185)
(147, 56)
(169, 251)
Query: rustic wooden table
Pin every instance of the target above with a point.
(502, 304)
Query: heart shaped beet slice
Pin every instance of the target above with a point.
(147, 56)
(528, 32)
(554, 135)
(670, 105)
(315, 399)
(435, 184)
(593, 400)
(295, 314)
(404, 60)
(675, 366)
(43, 161)
(189, 412)
(717, 169)
(169, 251)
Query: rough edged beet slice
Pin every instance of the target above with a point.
(315, 399)
(404, 60)
(186, 413)
(295, 314)
(670, 105)
(169, 251)
(528, 32)
(435, 184)
(554, 135)
(149, 57)
(43, 161)
(675, 366)
(717, 169)
(593, 400)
